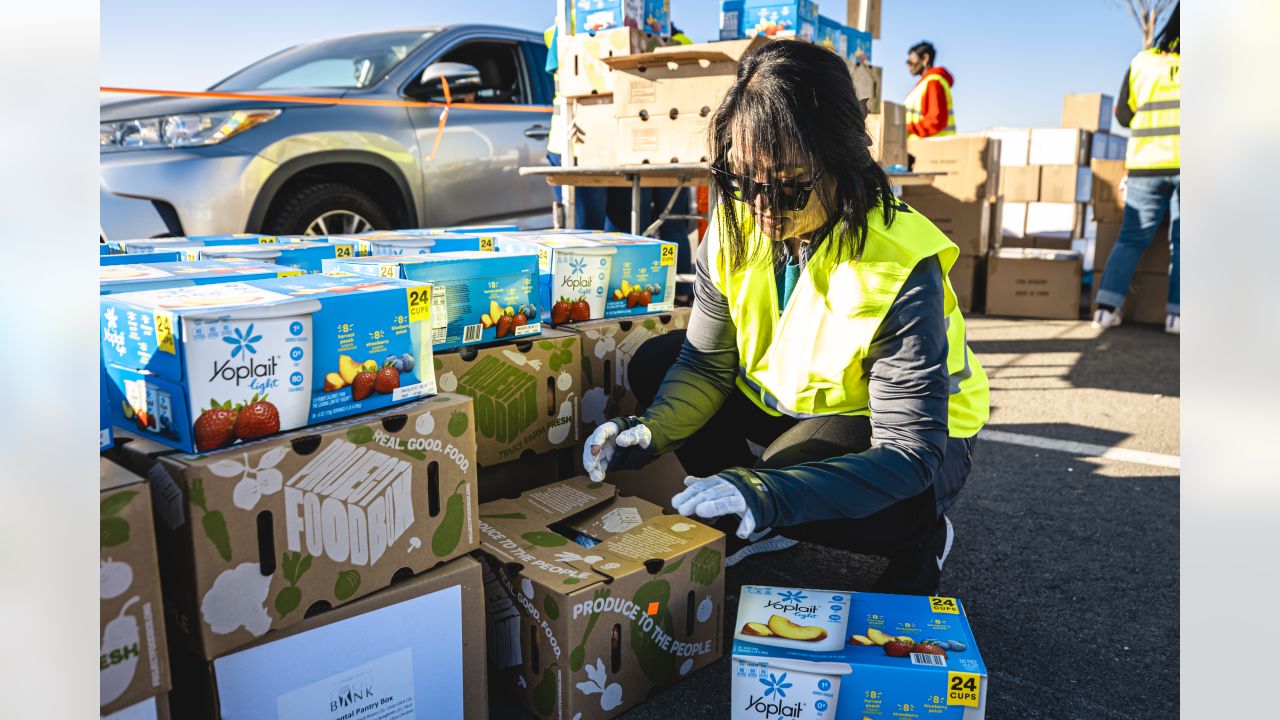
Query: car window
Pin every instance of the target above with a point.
(356, 61)
(501, 78)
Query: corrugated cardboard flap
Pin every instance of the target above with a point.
(725, 51)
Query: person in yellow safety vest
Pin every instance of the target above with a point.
(929, 106)
(1149, 104)
(824, 389)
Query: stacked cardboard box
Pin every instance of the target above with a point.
(1045, 184)
(887, 130)
(963, 202)
(1032, 282)
(1148, 291)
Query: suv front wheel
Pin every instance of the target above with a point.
(327, 208)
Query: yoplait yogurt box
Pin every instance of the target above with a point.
(141, 258)
(170, 243)
(810, 654)
(573, 273)
(113, 279)
(202, 368)
(476, 297)
(412, 243)
(305, 256)
(642, 278)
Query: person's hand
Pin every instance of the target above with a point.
(600, 447)
(712, 497)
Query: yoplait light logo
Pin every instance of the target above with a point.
(259, 373)
(112, 334)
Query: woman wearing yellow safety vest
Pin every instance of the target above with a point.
(824, 390)
(1150, 106)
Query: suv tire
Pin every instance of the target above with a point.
(324, 203)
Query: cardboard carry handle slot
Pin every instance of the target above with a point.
(266, 544)
(688, 614)
(608, 376)
(654, 565)
(535, 661)
(395, 423)
(615, 648)
(306, 444)
(433, 488)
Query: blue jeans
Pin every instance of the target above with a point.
(588, 205)
(1146, 201)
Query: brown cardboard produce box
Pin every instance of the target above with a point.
(1108, 201)
(867, 83)
(1155, 260)
(1020, 183)
(964, 278)
(888, 132)
(1147, 299)
(657, 482)
(593, 132)
(865, 16)
(526, 393)
(660, 140)
(1087, 111)
(1065, 183)
(687, 79)
(252, 540)
(1033, 283)
(607, 348)
(582, 70)
(133, 663)
(971, 164)
(508, 480)
(966, 222)
(413, 650)
(594, 630)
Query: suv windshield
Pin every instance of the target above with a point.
(357, 61)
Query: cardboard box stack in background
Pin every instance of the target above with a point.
(1148, 291)
(887, 130)
(133, 663)
(963, 202)
(1036, 283)
(595, 600)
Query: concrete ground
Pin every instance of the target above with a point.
(1066, 560)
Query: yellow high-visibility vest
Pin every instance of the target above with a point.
(808, 360)
(1155, 93)
(914, 104)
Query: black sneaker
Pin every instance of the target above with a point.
(767, 540)
(918, 571)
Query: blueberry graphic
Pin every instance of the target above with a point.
(406, 363)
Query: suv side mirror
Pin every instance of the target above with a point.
(463, 79)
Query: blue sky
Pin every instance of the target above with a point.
(1013, 59)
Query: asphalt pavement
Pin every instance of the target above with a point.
(1067, 562)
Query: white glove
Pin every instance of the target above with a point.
(599, 448)
(712, 497)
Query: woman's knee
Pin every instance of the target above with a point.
(650, 363)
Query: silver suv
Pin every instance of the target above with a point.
(198, 166)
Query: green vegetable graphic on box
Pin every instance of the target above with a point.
(346, 585)
(215, 526)
(295, 565)
(705, 567)
(114, 530)
(447, 535)
(578, 654)
(544, 694)
(506, 398)
(661, 667)
(541, 538)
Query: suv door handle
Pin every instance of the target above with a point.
(539, 132)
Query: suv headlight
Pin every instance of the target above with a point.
(173, 131)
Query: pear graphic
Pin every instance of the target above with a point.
(119, 655)
(559, 431)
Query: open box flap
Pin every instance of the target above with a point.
(726, 51)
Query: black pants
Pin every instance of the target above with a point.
(723, 443)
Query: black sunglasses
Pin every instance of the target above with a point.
(787, 195)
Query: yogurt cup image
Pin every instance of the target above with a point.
(401, 245)
(793, 618)
(581, 272)
(783, 688)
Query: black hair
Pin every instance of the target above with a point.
(924, 47)
(794, 101)
(1168, 40)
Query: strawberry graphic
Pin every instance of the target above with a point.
(518, 321)
(633, 298)
(362, 386)
(580, 310)
(388, 379)
(645, 298)
(258, 419)
(215, 428)
(560, 312)
(504, 326)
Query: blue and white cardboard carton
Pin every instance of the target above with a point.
(571, 267)
(643, 266)
(472, 292)
(300, 346)
(398, 243)
(113, 279)
(796, 19)
(141, 258)
(105, 437)
(858, 45)
(170, 243)
(652, 16)
(832, 35)
(305, 256)
(731, 17)
(819, 654)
